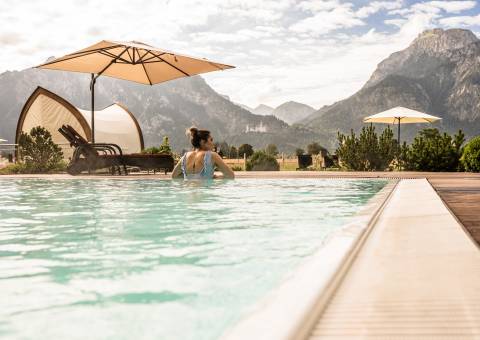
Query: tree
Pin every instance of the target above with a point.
(233, 153)
(165, 146)
(368, 151)
(224, 149)
(261, 161)
(245, 149)
(299, 152)
(271, 150)
(432, 151)
(471, 155)
(39, 152)
(315, 148)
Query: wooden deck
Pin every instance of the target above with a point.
(462, 196)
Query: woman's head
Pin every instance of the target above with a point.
(200, 139)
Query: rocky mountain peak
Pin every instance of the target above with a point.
(438, 40)
(292, 112)
(438, 73)
(263, 110)
(429, 50)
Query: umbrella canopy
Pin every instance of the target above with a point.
(400, 115)
(134, 61)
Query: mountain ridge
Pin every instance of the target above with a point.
(436, 74)
(166, 109)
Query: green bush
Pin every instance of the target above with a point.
(38, 153)
(315, 148)
(164, 148)
(17, 168)
(245, 149)
(471, 155)
(299, 152)
(432, 151)
(233, 152)
(367, 152)
(271, 149)
(261, 161)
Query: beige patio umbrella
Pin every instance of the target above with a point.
(134, 61)
(400, 115)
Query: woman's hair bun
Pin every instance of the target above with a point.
(196, 136)
(192, 131)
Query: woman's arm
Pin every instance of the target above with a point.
(177, 170)
(224, 168)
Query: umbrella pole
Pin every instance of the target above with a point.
(399, 131)
(92, 90)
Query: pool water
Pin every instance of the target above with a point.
(153, 259)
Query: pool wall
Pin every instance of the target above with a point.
(291, 310)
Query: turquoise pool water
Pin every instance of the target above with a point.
(150, 259)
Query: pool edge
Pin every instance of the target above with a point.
(290, 311)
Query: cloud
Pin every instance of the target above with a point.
(395, 22)
(462, 21)
(453, 6)
(312, 51)
(436, 7)
(324, 21)
(10, 38)
(318, 5)
(376, 6)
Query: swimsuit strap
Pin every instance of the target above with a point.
(184, 165)
(207, 170)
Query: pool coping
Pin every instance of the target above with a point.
(290, 311)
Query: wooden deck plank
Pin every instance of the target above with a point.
(462, 196)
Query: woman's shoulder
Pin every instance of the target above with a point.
(214, 154)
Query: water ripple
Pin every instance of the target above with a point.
(166, 259)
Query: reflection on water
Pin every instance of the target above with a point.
(150, 259)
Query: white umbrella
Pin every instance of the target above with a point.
(134, 61)
(400, 115)
(2, 140)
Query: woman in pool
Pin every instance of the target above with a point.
(200, 163)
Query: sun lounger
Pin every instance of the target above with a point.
(92, 156)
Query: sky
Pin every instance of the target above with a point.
(315, 52)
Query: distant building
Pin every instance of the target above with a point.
(256, 128)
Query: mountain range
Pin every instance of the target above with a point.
(166, 109)
(290, 112)
(438, 74)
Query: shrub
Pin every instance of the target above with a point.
(271, 150)
(315, 148)
(299, 152)
(38, 152)
(223, 149)
(237, 168)
(164, 148)
(233, 152)
(17, 168)
(368, 151)
(432, 151)
(151, 150)
(261, 161)
(471, 155)
(245, 149)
